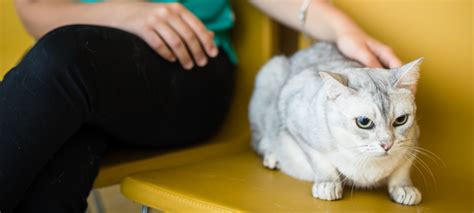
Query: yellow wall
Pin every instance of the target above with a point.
(13, 38)
(440, 31)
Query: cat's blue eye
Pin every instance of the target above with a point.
(364, 122)
(400, 120)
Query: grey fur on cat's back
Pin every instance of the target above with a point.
(322, 57)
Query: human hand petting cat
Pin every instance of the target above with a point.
(325, 22)
(357, 45)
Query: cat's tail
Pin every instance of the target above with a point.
(263, 104)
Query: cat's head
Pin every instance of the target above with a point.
(372, 112)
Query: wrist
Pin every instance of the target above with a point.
(114, 14)
(342, 26)
(338, 24)
(344, 29)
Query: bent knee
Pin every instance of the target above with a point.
(68, 42)
(62, 49)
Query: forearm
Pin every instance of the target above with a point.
(323, 20)
(39, 17)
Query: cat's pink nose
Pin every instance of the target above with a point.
(386, 146)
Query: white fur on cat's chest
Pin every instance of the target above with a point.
(364, 173)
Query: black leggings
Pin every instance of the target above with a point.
(83, 87)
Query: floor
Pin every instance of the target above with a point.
(113, 201)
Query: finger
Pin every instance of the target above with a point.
(205, 36)
(192, 42)
(157, 44)
(385, 54)
(176, 44)
(366, 57)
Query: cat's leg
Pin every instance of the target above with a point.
(401, 188)
(302, 161)
(268, 148)
(327, 184)
(270, 160)
(290, 158)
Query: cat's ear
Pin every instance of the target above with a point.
(407, 75)
(335, 84)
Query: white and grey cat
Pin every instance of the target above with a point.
(321, 117)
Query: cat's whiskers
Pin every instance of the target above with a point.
(349, 177)
(417, 169)
(356, 147)
(425, 152)
(428, 153)
(357, 159)
(429, 156)
(360, 162)
(345, 179)
(423, 165)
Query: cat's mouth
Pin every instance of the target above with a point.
(382, 155)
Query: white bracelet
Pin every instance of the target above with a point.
(302, 14)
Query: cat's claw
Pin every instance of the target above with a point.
(270, 161)
(327, 190)
(407, 195)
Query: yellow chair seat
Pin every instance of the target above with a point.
(120, 163)
(240, 183)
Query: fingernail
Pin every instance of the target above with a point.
(214, 52)
(173, 59)
(188, 66)
(202, 62)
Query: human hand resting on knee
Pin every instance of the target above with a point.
(169, 28)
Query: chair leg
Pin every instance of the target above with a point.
(145, 209)
(97, 201)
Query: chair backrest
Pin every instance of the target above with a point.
(254, 38)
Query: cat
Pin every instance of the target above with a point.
(318, 116)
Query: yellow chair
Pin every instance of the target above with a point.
(14, 41)
(441, 31)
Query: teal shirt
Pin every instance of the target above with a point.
(217, 16)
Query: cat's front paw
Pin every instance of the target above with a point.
(270, 161)
(407, 195)
(327, 190)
